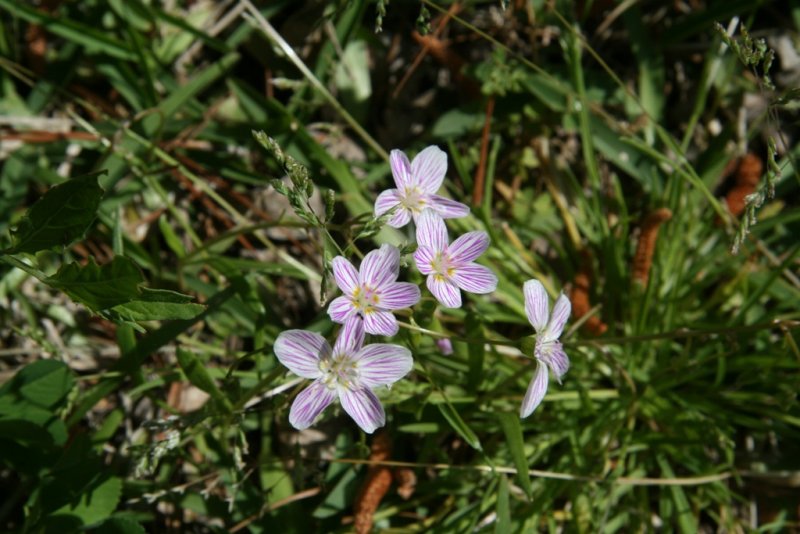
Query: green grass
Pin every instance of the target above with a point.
(116, 311)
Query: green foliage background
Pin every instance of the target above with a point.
(147, 264)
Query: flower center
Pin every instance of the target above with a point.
(413, 199)
(441, 266)
(339, 370)
(365, 299)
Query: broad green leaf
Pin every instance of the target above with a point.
(513, 431)
(119, 525)
(99, 287)
(459, 425)
(158, 305)
(198, 376)
(44, 383)
(97, 503)
(61, 216)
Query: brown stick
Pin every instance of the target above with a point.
(480, 172)
(643, 258)
(377, 483)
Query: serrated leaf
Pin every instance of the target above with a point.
(99, 287)
(198, 375)
(61, 216)
(513, 431)
(158, 305)
(119, 525)
(459, 425)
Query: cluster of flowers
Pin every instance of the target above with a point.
(350, 370)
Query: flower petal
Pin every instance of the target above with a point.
(431, 231)
(556, 359)
(424, 257)
(301, 351)
(401, 169)
(351, 336)
(445, 346)
(475, 278)
(380, 267)
(445, 291)
(558, 318)
(400, 218)
(536, 304)
(345, 274)
(309, 403)
(386, 201)
(381, 364)
(446, 208)
(468, 247)
(364, 407)
(399, 295)
(380, 323)
(341, 309)
(536, 390)
(428, 169)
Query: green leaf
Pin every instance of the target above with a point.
(119, 525)
(503, 524)
(158, 305)
(97, 503)
(94, 39)
(198, 376)
(513, 431)
(99, 287)
(60, 217)
(459, 425)
(44, 383)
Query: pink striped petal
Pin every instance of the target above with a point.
(401, 169)
(399, 295)
(341, 309)
(380, 364)
(556, 359)
(364, 407)
(380, 323)
(428, 169)
(400, 218)
(445, 291)
(475, 278)
(558, 319)
(424, 257)
(468, 247)
(380, 267)
(536, 391)
(446, 208)
(445, 346)
(301, 351)
(351, 336)
(536, 304)
(309, 403)
(386, 201)
(431, 231)
(345, 275)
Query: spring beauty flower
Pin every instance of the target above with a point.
(372, 292)
(548, 351)
(450, 266)
(417, 182)
(349, 371)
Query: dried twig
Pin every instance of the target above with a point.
(377, 483)
(643, 258)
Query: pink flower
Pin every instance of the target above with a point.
(349, 371)
(450, 267)
(417, 184)
(372, 292)
(548, 351)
